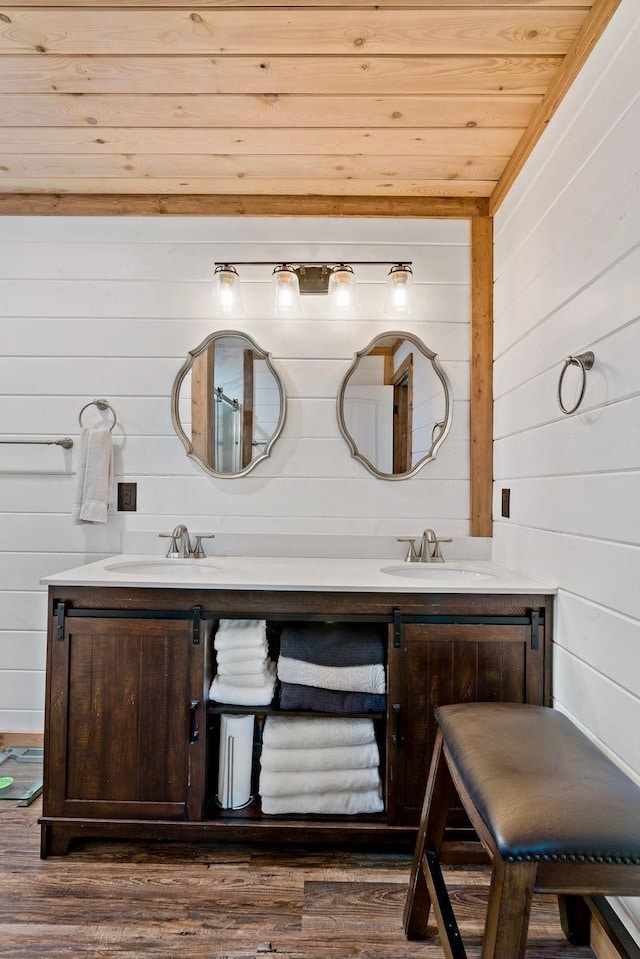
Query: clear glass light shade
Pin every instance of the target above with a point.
(342, 291)
(287, 291)
(226, 292)
(398, 296)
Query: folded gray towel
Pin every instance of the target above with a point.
(333, 644)
(293, 696)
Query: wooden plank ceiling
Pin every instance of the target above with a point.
(398, 99)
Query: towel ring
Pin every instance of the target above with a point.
(102, 405)
(585, 361)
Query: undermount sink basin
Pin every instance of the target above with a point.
(428, 571)
(157, 567)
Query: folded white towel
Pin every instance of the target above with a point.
(222, 691)
(94, 477)
(345, 803)
(257, 678)
(241, 655)
(244, 667)
(355, 679)
(283, 732)
(234, 633)
(329, 757)
(318, 781)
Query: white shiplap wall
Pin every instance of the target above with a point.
(567, 279)
(93, 307)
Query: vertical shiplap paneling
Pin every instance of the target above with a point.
(566, 268)
(109, 307)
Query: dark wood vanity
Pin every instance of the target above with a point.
(131, 738)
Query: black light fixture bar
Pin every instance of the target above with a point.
(313, 275)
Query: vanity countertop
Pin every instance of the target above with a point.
(298, 573)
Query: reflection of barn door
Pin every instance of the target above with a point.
(368, 414)
(403, 416)
(201, 406)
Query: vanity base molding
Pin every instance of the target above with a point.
(131, 737)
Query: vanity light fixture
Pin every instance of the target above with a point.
(287, 291)
(398, 298)
(341, 291)
(293, 280)
(227, 290)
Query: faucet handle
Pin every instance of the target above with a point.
(198, 550)
(436, 555)
(173, 545)
(412, 555)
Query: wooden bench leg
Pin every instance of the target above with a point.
(575, 919)
(507, 924)
(430, 835)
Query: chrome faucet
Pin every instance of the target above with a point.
(180, 543)
(429, 550)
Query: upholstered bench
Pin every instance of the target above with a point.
(552, 811)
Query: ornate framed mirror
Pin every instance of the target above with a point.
(228, 404)
(395, 406)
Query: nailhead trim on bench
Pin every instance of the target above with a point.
(565, 857)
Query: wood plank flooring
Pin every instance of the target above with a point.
(172, 900)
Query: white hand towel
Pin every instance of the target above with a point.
(286, 732)
(243, 655)
(318, 781)
(345, 804)
(222, 691)
(94, 476)
(243, 667)
(355, 679)
(235, 633)
(329, 757)
(257, 677)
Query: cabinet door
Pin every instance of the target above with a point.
(124, 707)
(437, 664)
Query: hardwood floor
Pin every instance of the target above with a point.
(167, 901)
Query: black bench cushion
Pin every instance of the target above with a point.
(544, 790)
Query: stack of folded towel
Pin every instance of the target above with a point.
(245, 675)
(332, 667)
(323, 766)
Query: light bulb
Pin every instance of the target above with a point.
(227, 290)
(287, 295)
(341, 289)
(398, 297)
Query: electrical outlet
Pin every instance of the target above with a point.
(506, 503)
(127, 497)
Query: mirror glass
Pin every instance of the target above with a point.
(228, 404)
(394, 406)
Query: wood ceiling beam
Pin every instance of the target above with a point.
(50, 204)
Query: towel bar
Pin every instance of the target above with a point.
(65, 442)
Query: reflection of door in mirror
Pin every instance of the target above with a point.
(222, 405)
(394, 406)
(228, 404)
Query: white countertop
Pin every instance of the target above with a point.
(296, 573)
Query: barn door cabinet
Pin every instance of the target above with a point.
(131, 738)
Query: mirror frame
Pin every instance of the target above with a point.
(448, 397)
(175, 398)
